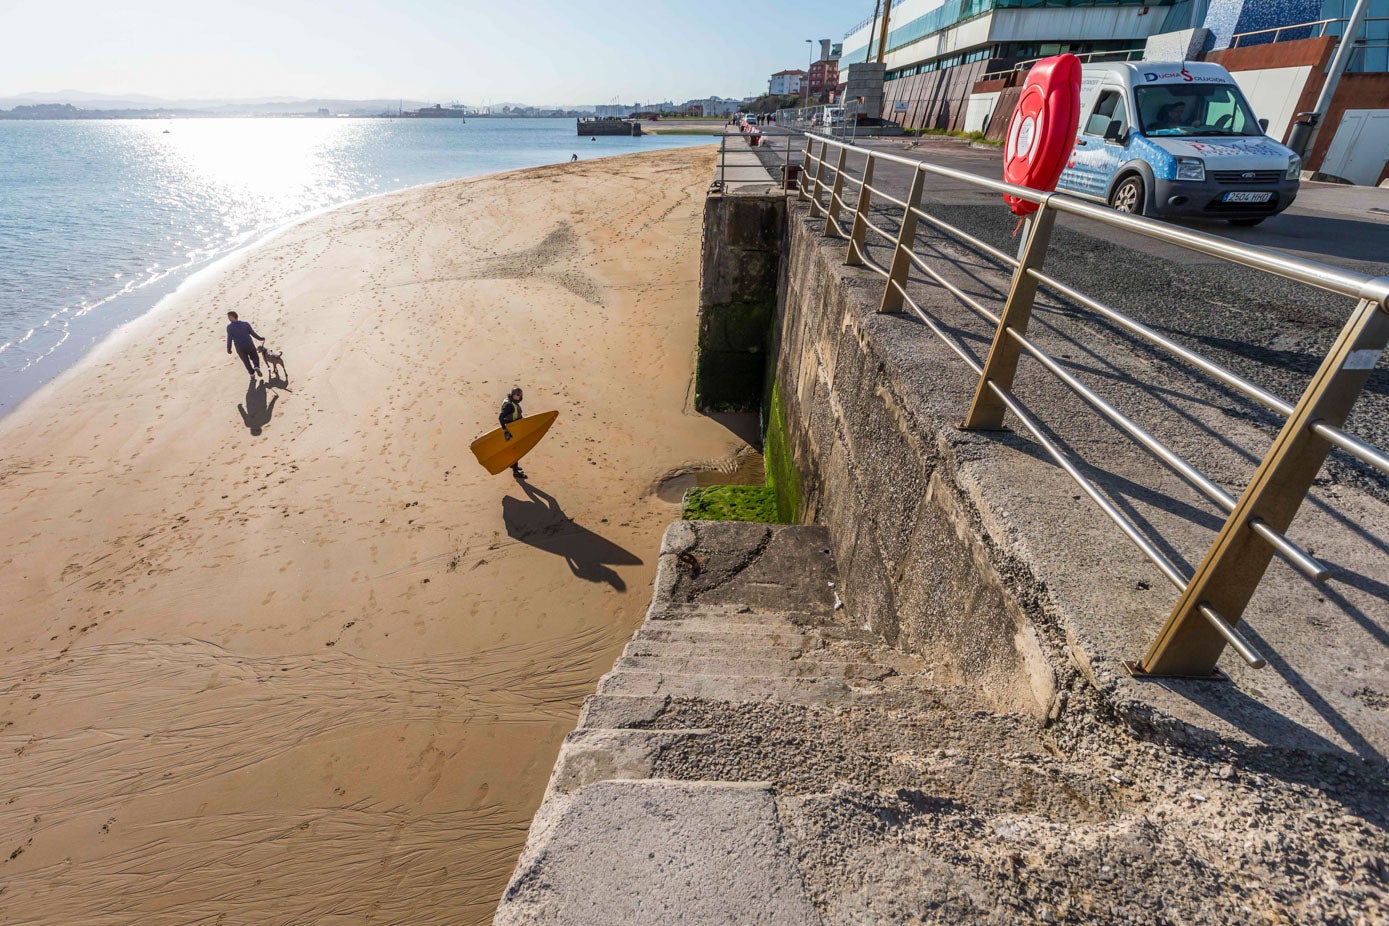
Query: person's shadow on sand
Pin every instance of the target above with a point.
(539, 522)
(256, 412)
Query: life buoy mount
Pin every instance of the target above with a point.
(1041, 134)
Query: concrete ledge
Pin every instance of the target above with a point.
(692, 852)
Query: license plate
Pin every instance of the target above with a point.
(1246, 197)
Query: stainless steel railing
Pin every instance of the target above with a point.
(1113, 54)
(1213, 597)
(1300, 31)
(775, 156)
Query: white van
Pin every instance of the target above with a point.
(1176, 139)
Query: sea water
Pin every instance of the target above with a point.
(99, 218)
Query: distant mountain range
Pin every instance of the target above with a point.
(255, 106)
(258, 106)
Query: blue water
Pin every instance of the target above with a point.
(99, 218)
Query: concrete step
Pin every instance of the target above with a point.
(728, 688)
(754, 667)
(613, 712)
(707, 625)
(715, 615)
(657, 852)
(590, 755)
(737, 649)
(669, 633)
(947, 709)
(999, 781)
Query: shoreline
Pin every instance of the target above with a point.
(128, 308)
(148, 298)
(289, 648)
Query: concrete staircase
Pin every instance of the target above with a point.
(754, 757)
(746, 682)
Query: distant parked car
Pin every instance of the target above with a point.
(751, 119)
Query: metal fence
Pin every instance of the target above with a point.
(1213, 598)
(1307, 30)
(1089, 57)
(1374, 36)
(741, 162)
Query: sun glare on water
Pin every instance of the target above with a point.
(257, 170)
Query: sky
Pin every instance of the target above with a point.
(541, 52)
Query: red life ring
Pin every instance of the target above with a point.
(1041, 134)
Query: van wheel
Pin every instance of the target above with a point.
(1128, 196)
(1248, 223)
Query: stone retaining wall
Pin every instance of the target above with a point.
(865, 431)
(739, 266)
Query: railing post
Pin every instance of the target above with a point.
(800, 174)
(901, 255)
(858, 235)
(1188, 643)
(805, 168)
(786, 168)
(836, 192)
(819, 185)
(986, 409)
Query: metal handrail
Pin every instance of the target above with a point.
(759, 169)
(1086, 57)
(1215, 594)
(1321, 26)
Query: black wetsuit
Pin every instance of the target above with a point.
(511, 411)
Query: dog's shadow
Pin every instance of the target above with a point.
(280, 383)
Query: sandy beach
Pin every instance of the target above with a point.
(290, 655)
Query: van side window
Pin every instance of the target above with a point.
(1109, 107)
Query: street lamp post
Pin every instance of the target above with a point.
(810, 59)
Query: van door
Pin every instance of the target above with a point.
(1096, 158)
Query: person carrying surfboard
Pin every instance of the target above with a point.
(511, 410)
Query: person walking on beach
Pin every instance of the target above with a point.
(240, 333)
(573, 158)
(511, 410)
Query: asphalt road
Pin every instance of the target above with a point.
(1272, 331)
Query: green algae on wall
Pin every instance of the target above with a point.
(732, 359)
(730, 503)
(782, 476)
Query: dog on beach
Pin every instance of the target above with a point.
(274, 360)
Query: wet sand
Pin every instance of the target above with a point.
(321, 672)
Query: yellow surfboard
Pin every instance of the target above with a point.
(496, 453)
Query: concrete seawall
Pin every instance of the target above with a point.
(869, 426)
(975, 549)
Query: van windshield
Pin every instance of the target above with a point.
(1183, 109)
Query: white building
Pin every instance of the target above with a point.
(785, 83)
(713, 106)
(938, 49)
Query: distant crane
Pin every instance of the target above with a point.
(886, 7)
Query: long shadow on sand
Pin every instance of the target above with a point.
(256, 413)
(539, 522)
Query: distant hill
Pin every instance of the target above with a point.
(222, 107)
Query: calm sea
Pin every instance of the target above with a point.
(98, 219)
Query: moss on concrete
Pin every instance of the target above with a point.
(730, 503)
(782, 476)
(732, 360)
